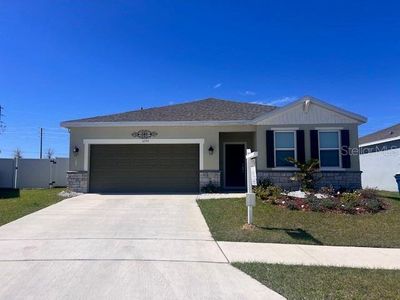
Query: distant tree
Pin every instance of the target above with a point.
(17, 153)
(50, 153)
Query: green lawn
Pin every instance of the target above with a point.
(16, 204)
(225, 218)
(314, 282)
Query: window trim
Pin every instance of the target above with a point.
(290, 149)
(339, 167)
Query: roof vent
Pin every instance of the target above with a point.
(306, 105)
(391, 132)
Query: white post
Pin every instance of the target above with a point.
(250, 196)
(248, 160)
(16, 173)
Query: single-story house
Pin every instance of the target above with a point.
(380, 158)
(184, 147)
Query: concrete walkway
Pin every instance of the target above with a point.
(119, 247)
(356, 257)
(220, 196)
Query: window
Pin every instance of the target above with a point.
(284, 148)
(329, 149)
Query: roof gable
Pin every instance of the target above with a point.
(309, 110)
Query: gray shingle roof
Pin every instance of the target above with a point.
(210, 109)
(387, 133)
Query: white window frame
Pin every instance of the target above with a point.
(339, 167)
(285, 149)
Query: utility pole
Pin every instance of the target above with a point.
(41, 143)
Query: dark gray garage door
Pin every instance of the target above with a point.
(144, 168)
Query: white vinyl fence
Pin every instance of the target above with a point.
(33, 173)
(378, 169)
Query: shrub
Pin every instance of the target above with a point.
(210, 188)
(328, 203)
(261, 192)
(368, 193)
(264, 182)
(373, 205)
(349, 207)
(350, 201)
(350, 197)
(314, 203)
(306, 174)
(270, 192)
(328, 190)
(292, 205)
(274, 191)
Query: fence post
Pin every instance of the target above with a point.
(16, 159)
(53, 166)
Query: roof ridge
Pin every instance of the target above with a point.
(207, 109)
(208, 99)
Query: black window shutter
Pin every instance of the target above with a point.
(314, 144)
(270, 149)
(301, 151)
(345, 137)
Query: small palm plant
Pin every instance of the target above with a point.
(306, 175)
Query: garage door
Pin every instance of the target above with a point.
(144, 168)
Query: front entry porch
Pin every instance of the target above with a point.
(231, 176)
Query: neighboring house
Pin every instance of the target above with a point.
(380, 158)
(184, 147)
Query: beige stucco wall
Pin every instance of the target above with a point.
(210, 134)
(261, 141)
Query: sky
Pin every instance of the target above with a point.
(62, 60)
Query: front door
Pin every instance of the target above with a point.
(235, 176)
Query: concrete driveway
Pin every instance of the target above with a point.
(119, 246)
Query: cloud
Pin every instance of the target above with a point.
(249, 93)
(282, 100)
(217, 85)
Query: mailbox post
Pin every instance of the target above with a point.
(251, 180)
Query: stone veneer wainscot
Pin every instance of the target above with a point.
(207, 176)
(337, 179)
(78, 181)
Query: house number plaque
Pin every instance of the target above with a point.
(144, 134)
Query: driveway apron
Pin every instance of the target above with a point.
(119, 246)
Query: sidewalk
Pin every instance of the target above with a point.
(290, 254)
